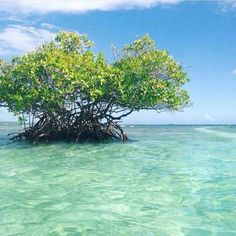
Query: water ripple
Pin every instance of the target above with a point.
(172, 180)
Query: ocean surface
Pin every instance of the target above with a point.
(168, 180)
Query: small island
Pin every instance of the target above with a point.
(64, 91)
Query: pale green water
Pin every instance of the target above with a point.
(170, 180)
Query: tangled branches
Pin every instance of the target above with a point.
(64, 91)
(86, 123)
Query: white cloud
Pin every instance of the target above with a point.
(208, 117)
(45, 6)
(18, 39)
(49, 26)
(227, 5)
(234, 71)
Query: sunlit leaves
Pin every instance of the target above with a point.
(66, 71)
(151, 78)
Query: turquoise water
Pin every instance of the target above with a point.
(169, 180)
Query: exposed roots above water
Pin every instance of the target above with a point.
(46, 130)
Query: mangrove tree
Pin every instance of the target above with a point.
(64, 91)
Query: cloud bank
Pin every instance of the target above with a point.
(75, 6)
(46, 6)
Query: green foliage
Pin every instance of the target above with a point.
(66, 73)
(151, 78)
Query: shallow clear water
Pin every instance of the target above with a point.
(169, 180)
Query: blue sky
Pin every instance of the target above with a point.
(201, 35)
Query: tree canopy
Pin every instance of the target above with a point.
(64, 91)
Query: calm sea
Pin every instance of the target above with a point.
(168, 180)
